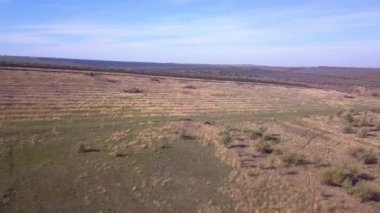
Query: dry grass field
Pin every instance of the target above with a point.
(81, 141)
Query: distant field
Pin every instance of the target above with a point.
(364, 81)
(82, 140)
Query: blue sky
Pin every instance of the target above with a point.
(262, 32)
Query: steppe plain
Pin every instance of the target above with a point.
(92, 141)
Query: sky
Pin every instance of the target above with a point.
(260, 32)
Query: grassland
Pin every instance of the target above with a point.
(82, 141)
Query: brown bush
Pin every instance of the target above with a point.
(133, 90)
(363, 122)
(257, 133)
(363, 155)
(339, 113)
(366, 193)
(264, 147)
(375, 110)
(293, 158)
(271, 137)
(347, 128)
(340, 177)
(187, 137)
(84, 149)
(377, 127)
(362, 132)
(190, 87)
(226, 137)
(113, 81)
(348, 117)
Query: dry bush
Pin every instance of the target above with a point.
(347, 127)
(120, 154)
(340, 177)
(374, 94)
(277, 151)
(84, 149)
(187, 137)
(339, 113)
(209, 122)
(252, 173)
(348, 117)
(258, 133)
(273, 161)
(113, 81)
(226, 137)
(189, 87)
(271, 137)
(363, 155)
(377, 127)
(295, 159)
(365, 192)
(165, 146)
(348, 96)
(91, 74)
(264, 147)
(362, 132)
(354, 111)
(133, 90)
(363, 122)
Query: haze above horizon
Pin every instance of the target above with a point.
(277, 33)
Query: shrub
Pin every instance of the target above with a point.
(348, 96)
(375, 110)
(252, 173)
(340, 177)
(347, 117)
(347, 128)
(362, 133)
(120, 154)
(353, 111)
(363, 122)
(112, 81)
(264, 147)
(84, 149)
(271, 137)
(226, 137)
(339, 113)
(187, 137)
(273, 161)
(259, 133)
(366, 193)
(294, 159)
(363, 155)
(133, 90)
(378, 127)
(277, 151)
(190, 87)
(165, 146)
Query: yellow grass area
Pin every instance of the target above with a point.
(52, 95)
(151, 125)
